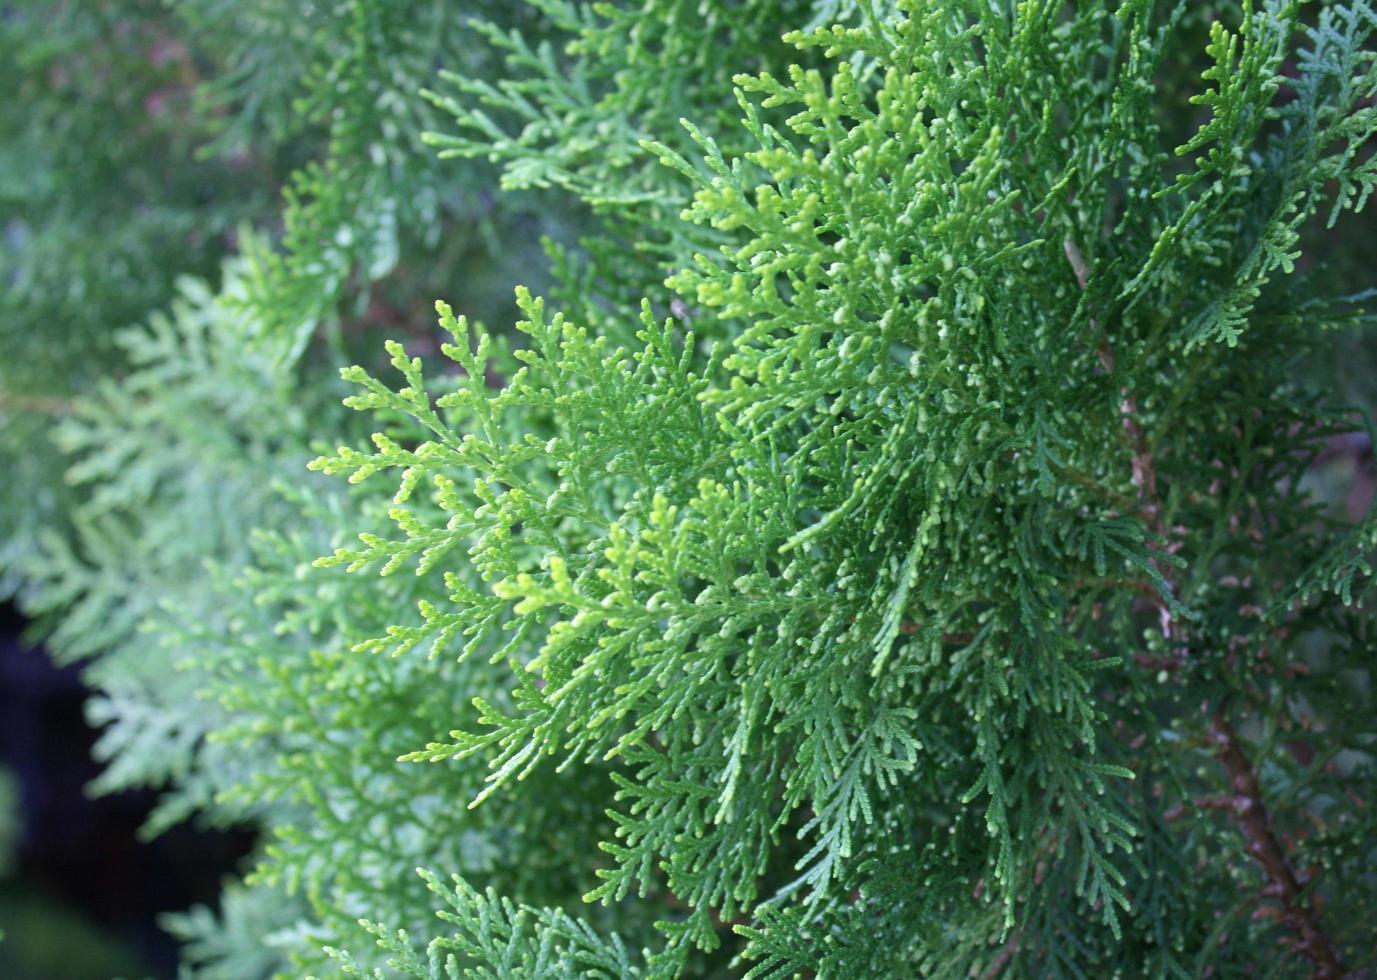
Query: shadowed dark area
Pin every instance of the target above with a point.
(83, 893)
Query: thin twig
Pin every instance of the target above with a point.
(1246, 805)
(1250, 813)
(1005, 956)
(37, 404)
(1144, 465)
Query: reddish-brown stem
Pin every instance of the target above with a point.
(1144, 465)
(1246, 804)
(1250, 813)
(909, 628)
(1006, 955)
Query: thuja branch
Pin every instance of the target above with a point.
(1144, 464)
(1250, 813)
(1246, 804)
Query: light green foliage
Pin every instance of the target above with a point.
(571, 109)
(291, 675)
(573, 116)
(190, 438)
(246, 939)
(889, 551)
(498, 939)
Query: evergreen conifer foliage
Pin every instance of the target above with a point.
(934, 561)
(891, 549)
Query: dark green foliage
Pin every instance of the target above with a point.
(893, 550)
(9, 819)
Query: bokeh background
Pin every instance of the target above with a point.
(139, 139)
(80, 892)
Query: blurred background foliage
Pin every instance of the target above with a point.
(207, 207)
(137, 139)
(142, 144)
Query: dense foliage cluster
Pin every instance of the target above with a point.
(891, 548)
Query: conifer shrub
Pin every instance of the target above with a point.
(893, 545)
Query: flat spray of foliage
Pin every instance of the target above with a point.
(892, 549)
